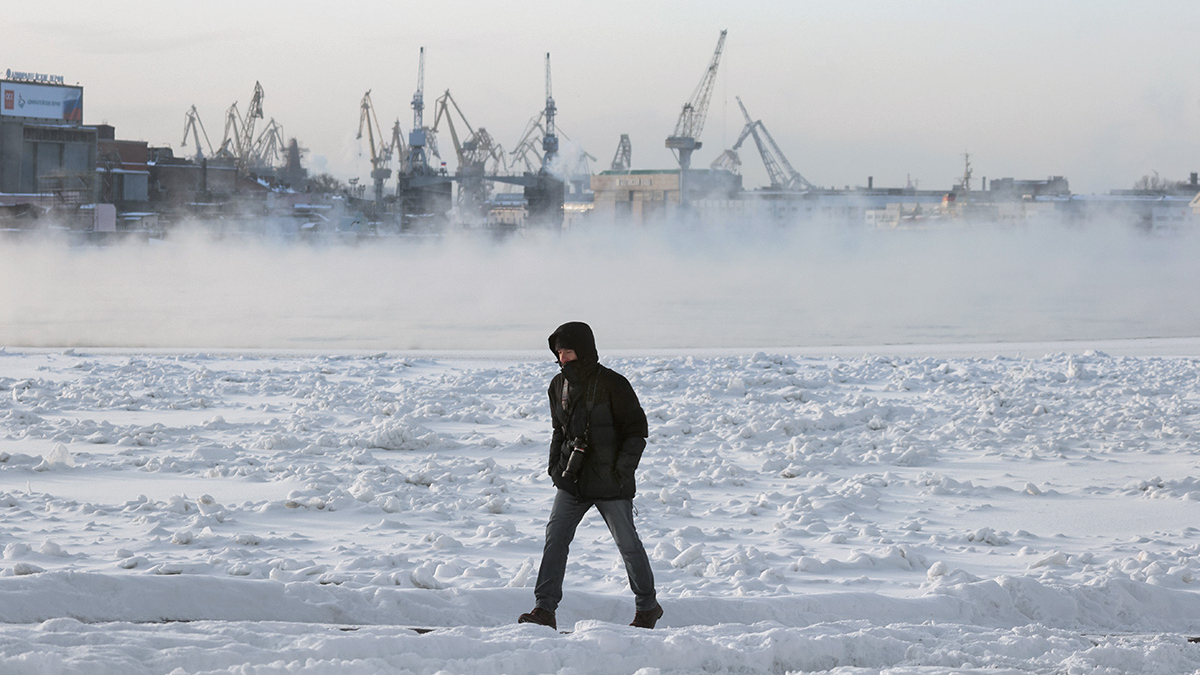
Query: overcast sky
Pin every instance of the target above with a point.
(1102, 92)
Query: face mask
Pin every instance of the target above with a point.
(577, 371)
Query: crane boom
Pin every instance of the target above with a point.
(793, 179)
(397, 146)
(232, 142)
(193, 125)
(368, 121)
(691, 118)
(255, 111)
(686, 137)
(442, 111)
(779, 169)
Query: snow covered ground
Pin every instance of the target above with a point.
(265, 458)
(895, 510)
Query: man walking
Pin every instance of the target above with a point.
(600, 432)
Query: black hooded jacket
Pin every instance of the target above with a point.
(604, 411)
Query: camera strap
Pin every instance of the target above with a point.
(588, 407)
(591, 403)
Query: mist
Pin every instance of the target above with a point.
(745, 285)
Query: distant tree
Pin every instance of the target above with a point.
(1154, 183)
(325, 183)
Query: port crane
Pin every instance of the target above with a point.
(424, 192)
(526, 152)
(624, 157)
(550, 138)
(239, 131)
(545, 192)
(475, 151)
(685, 139)
(779, 170)
(541, 125)
(270, 147)
(195, 127)
(478, 147)
(418, 158)
(527, 155)
(381, 155)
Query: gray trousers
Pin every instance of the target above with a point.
(565, 516)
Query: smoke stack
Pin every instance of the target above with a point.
(871, 182)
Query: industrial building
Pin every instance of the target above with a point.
(44, 147)
(52, 164)
(643, 196)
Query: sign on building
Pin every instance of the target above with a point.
(48, 102)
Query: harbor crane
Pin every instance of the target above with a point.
(527, 155)
(575, 168)
(424, 193)
(478, 147)
(381, 155)
(545, 191)
(543, 124)
(550, 139)
(526, 151)
(624, 157)
(686, 137)
(195, 127)
(239, 131)
(233, 133)
(418, 159)
(779, 170)
(579, 168)
(270, 146)
(475, 151)
(254, 112)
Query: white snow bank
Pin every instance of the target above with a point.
(1117, 606)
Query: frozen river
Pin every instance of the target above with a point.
(641, 289)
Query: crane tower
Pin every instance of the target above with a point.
(418, 161)
(550, 138)
(686, 137)
(424, 194)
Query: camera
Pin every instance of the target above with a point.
(575, 460)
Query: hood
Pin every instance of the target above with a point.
(575, 335)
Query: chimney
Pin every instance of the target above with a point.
(871, 181)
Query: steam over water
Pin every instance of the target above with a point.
(666, 288)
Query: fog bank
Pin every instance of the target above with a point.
(746, 286)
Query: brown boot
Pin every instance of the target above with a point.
(542, 617)
(647, 618)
